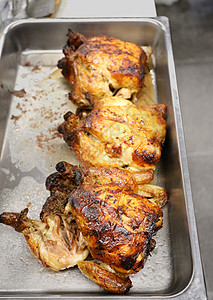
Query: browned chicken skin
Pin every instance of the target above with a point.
(118, 134)
(59, 242)
(102, 66)
(104, 175)
(136, 182)
(117, 225)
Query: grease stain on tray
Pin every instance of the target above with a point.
(39, 101)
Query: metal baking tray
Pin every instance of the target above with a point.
(33, 102)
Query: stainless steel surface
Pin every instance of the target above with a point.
(40, 8)
(174, 270)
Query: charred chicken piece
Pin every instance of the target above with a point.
(60, 189)
(101, 66)
(117, 225)
(118, 134)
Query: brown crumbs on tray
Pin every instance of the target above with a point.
(18, 106)
(42, 139)
(35, 68)
(19, 93)
(15, 117)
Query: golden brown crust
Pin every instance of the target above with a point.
(101, 66)
(118, 134)
(117, 225)
(97, 175)
(105, 279)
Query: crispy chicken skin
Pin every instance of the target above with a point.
(102, 175)
(117, 225)
(136, 182)
(57, 234)
(101, 66)
(118, 134)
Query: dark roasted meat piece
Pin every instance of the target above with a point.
(117, 225)
(104, 216)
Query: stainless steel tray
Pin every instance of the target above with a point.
(30, 149)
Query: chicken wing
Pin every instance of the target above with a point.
(55, 240)
(102, 66)
(117, 225)
(118, 134)
(101, 175)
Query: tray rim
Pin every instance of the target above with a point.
(195, 288)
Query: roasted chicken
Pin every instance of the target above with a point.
(55, 240)
(118, 134)
(93, 210)
(107, 279)
(104, 210)
(102, 66)
(78, 175)
(117, 225)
